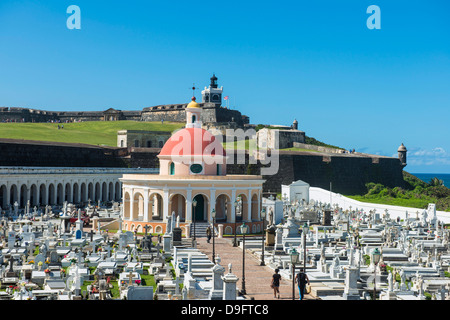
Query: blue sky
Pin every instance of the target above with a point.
(315, 61)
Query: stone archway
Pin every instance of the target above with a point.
(177, 204)
(223, 208)
(156, 206)
(34, 201)
(199, 212)
(138, 207)
(43, 197)
(254, 208)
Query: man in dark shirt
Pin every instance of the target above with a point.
(276, 284)
(301, 279)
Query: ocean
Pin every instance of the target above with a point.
(426, 177)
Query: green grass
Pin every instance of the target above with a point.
(412, 202)
(89, 132)
(240, 145)
(299, 149)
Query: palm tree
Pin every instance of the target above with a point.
(436, 182)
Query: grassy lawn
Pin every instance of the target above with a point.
(241, 145)
(89, 132)
(251, 143)
(298, 149)
(413, 202)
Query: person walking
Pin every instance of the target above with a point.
(208, 234)
(275, 284)
(302, 280)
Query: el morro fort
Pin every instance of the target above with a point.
(347, 172)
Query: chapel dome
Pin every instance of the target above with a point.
(193, 104)
(192, 142)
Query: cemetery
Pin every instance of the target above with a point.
(348, 254)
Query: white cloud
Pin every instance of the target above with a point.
(428, 157)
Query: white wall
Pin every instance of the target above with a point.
(318, 194)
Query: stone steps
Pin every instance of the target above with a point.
(200, 229)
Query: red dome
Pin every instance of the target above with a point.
(192, 141)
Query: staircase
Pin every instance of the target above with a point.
(200, 229)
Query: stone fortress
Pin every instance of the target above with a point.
(347, 172)
(211, 103)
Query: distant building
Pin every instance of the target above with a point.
(213, 112)
(267, 138)
(142, 138)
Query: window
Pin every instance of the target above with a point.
(121, 143)
(149, 144)
(161, 144)
(219, 169)
(172, 169)
(193, 118)
(136, 143)
(196, 168)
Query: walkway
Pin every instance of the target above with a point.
(257, 278)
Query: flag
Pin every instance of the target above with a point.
(225, 98)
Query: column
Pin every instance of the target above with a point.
(259, 205)
(229, 287)
(249, 206)
(146, 204)
(233, 209)
(70, 195)
(131, 205)
(100, 196)
(8, 194)
(212, 197)
(165, 204)
(188, 205)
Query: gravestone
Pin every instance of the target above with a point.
(176, 236)
(326, 219)
(140, 293)
(54, 258)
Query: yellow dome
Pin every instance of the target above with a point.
(193, 104)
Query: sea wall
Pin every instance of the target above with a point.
(348, 173)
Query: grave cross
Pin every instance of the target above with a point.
(130, 277)
(146, 229)
(92, 235)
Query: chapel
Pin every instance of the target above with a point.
(192, 184)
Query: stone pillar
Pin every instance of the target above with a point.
(230, 280)
(217, 291)
(249, 207)
(351, 289)
(233, 209)
(212, 197)
(220, 228)
(167, 243)
(146, 204)
(188, 206)
(131, 212)
(165, 204)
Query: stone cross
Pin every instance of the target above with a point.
(146, 229)
(130, 277)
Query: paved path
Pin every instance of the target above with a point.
(257, 278)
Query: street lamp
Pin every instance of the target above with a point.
(213, 215)
(244, 231)
(294, 260)
(236, 203)
(194, 203)
(263, 216)
(375, 255)
(305, 229)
